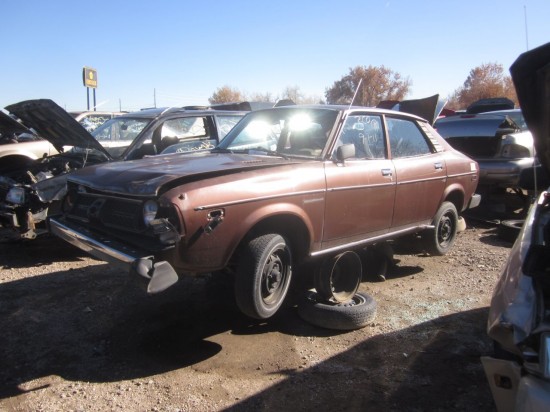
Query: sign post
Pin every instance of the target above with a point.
(89, 78)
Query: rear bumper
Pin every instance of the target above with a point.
(505, 173)
(159, 275)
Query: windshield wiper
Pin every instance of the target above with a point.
(263, 150)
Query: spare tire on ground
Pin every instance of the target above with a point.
(355, 313)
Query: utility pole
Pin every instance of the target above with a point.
(526, 33)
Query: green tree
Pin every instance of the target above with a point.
(226, 94)
(483, 82)
(378, 83)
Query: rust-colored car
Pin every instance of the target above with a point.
(286, 186)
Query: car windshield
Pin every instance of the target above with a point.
(117, 134)
(283, 131)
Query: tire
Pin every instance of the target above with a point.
(440, 240)
(508, 230)
(354, 314)
(263, 276)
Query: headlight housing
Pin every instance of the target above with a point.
(17, 195)
(150, 209)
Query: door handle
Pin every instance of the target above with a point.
(438, 165)
(386, 172)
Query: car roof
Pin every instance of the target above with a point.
(344, 108)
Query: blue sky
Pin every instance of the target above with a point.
(181, 51)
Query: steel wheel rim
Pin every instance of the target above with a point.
(445, 230)
(274, 276)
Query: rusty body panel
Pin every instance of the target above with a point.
(321, 178)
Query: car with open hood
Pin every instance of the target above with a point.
(519, 317)
(287, 187)
(31, 190)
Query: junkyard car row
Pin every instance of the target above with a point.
(272, 196)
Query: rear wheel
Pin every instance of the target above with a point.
(263, 276)
(440, 240)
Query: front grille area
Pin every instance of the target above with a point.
(108, 212)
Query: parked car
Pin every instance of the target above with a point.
(519, 317)
(20, 145)
(91, 120)
(497, 140)
(286, 187)
(28, 192)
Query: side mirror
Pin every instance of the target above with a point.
(345, 151)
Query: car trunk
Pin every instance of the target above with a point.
(477, 136)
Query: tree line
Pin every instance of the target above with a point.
(380, 83)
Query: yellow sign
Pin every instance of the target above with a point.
(89, 76)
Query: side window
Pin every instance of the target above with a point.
(93, 121)
(406, 139)
(184, 134)
(366, 134)
(225, 124)
(185, 127)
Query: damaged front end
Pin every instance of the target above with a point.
(519, 319)
(27, 196)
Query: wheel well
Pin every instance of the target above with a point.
(456, 198)
(289, 226)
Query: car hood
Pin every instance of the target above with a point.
(54, 124)
(146, 177)
(10, 126)
(531, 76)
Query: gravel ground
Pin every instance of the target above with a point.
(78, 335)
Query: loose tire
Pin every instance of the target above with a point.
(509, 229)
(263, 276)
(440, 240)
(356, 313)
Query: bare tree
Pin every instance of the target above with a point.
(485, 81)
(226, 94)
(260, 97)
(379, 83)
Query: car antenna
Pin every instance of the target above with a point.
(355, 94)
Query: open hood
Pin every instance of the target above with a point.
(9, 126)
(531, 76)
(427, 108)
(54, 124)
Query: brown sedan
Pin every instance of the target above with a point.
(287, 185)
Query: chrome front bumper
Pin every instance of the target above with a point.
(160, 275)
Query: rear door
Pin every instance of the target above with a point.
(420, 173)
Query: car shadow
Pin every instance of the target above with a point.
(43, 250)
(433, 366)
(94, 325)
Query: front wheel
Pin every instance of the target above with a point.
(440, 240)
(263, 276)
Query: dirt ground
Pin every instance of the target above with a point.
(78, 335)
